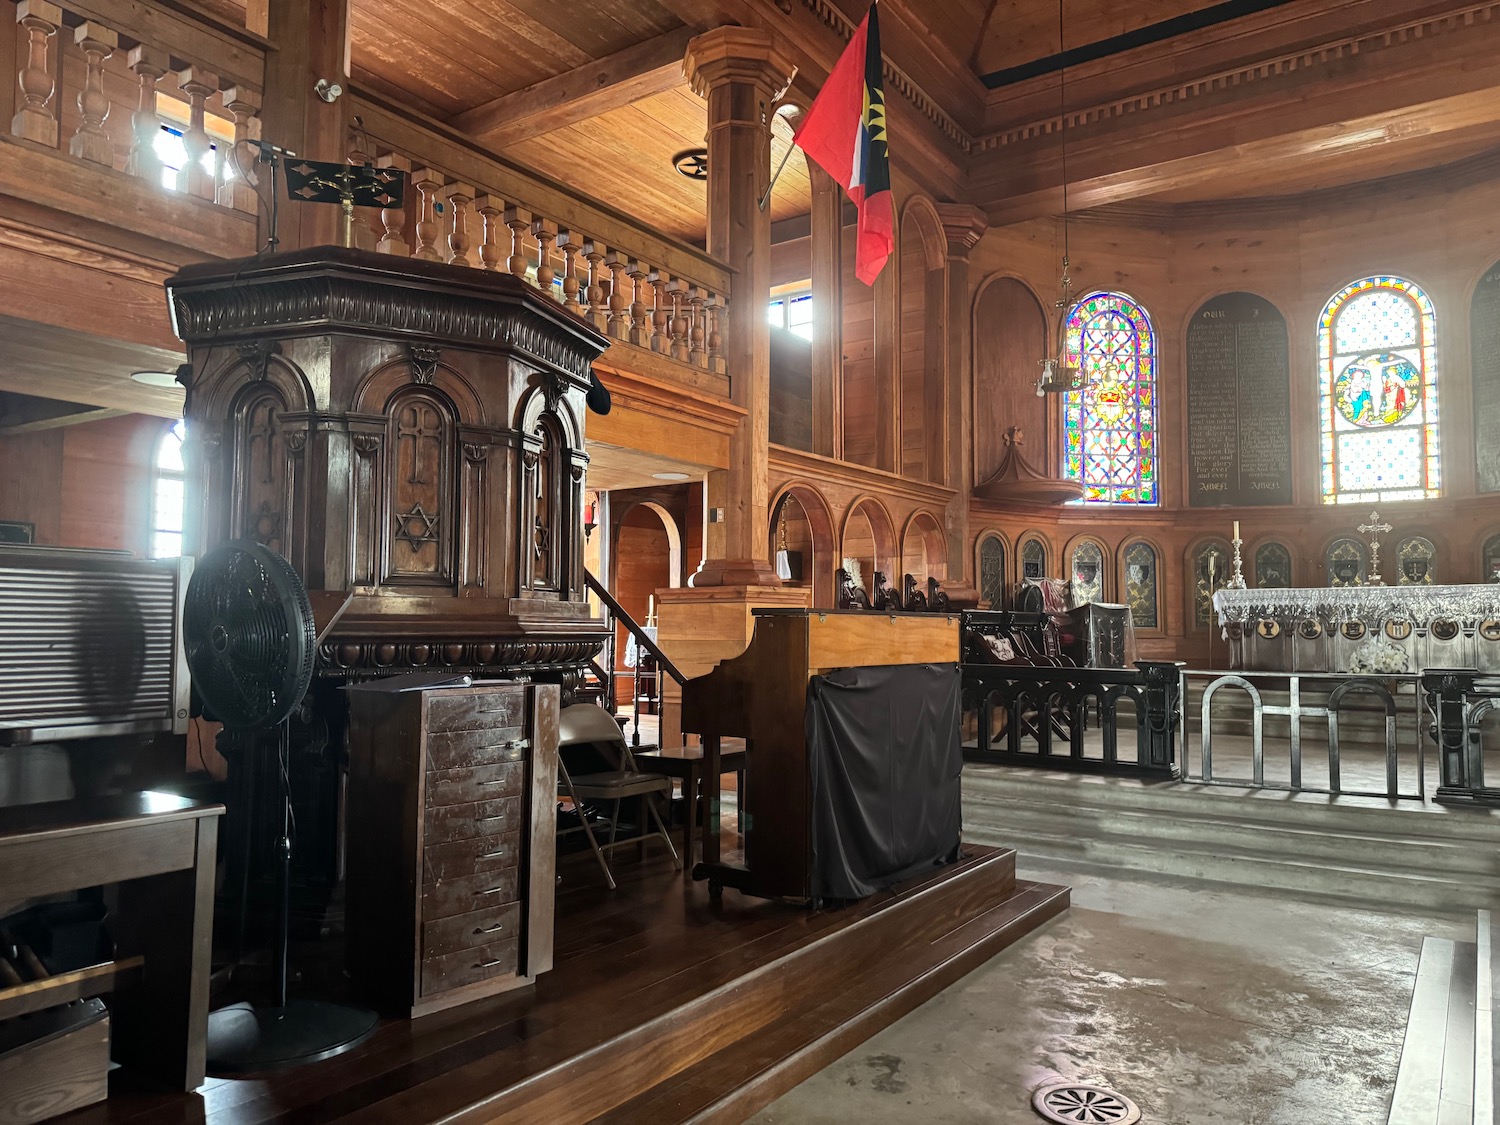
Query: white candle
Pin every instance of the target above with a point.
(650, 606)
(1236, 529)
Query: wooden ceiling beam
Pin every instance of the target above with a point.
(24, 414)
(637, 72)
(702, 15)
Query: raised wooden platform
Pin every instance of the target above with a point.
(662, 1008)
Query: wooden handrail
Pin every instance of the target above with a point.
(633, 628)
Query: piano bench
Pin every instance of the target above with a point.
(685, 763)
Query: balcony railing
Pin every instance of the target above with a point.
(119, 112)
(468, 208)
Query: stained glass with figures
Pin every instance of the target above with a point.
(1377, 362)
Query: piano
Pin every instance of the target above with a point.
(763, 696)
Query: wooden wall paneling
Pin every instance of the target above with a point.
(31, 472)
(886, 415)
(827, 275)
(647, 558)
(106, 491)
(858, 350)
(1010, 339)
(911, 268)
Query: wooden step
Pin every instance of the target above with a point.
(644, 1022)
(1435, 1081)
(1486, 964)
(733, 1084)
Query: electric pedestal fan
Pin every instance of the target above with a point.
(247, 627)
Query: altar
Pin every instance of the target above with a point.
(1366, 629)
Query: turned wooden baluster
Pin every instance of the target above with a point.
(458, 197)
(698, 349)
(680, 344)
(618, 263)
(519, 221)
(36, 119)
(150, 66)
(598, 313)
(393, 219)
(568, 241)
(237, 189)
(91, 142)
(193, 178)
(716, 361)
(661, 312)
(428, 183)
(640, 321)
(545, 233)
(491, 252)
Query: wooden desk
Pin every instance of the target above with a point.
(685, 763)
(161, 850)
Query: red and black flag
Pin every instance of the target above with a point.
(845, 133)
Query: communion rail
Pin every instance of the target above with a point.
(1305, 732)
(1041, 717)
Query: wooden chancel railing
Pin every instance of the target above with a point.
(468, 209)
(119, 111)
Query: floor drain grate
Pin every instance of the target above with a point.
(1077, 1103)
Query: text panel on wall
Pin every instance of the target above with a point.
(1239, 403)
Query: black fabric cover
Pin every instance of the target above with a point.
(885, 760)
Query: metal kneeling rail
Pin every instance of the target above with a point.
(1316, 696)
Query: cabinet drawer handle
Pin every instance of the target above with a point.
(513, 744)
(499, 853)
(489, 891)
(496, 781)
(488, 964)
(487, 819)
(495, 929)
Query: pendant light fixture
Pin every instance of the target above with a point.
(783, 557)
(1058, 376)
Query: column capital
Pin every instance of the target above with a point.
(963, 227)
(738, 54)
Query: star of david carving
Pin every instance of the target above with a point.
(416, 528)
(267, 524)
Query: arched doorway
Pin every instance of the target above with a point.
(647, 557)
(924, 550)
(868, 545)
(800, 518)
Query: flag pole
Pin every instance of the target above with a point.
(785, 157)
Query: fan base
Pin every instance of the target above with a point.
(243, 1039)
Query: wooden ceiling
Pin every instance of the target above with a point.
(449, 56)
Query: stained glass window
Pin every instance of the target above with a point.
(1346, 561)
(1491, 560)
(992, 572)
(1087, 572)
(1111, 421)
(1033, 559)
(1416, 559)
(1140, 584)
(1210, 575)
(1377, 367)
(168, 496)
(1273, 566)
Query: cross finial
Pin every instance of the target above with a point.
(1374, 526)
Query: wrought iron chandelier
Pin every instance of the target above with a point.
(1058, 376)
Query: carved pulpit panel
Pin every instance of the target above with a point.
(420, 440)
(262, 473)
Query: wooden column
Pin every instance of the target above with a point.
(963, 227)
(739, 71)
(828, 305)
(312, 40)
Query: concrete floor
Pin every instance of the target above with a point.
(1205, 1007)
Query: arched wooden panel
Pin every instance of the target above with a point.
(1010, 339)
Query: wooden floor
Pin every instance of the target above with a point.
(663, 1007)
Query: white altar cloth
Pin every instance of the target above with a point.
(1335, 605)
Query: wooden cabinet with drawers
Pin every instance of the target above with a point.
(452, 842)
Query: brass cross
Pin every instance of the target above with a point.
(1374, 529)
